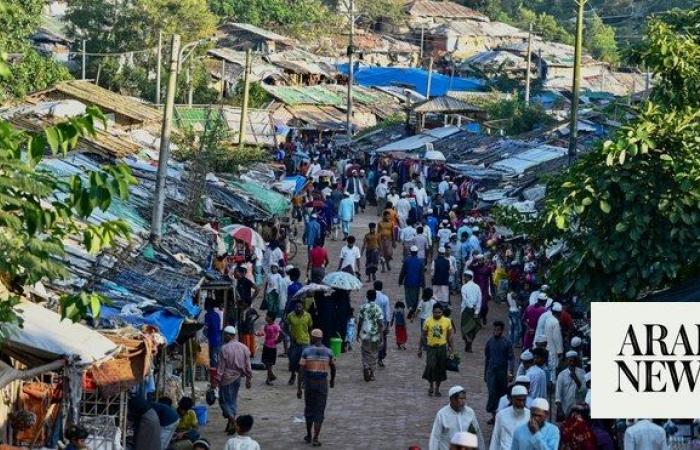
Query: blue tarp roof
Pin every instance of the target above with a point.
(416, 79)
(168, 324)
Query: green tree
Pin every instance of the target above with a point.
(38, 210)
(257, 96)
(18, 19)
(600, 40)
(521, 118)
(629, 211)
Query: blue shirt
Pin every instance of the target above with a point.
(212, 322)
(474, 243)
(545, 439)
(412, 272)
(312, 232)
(383, 302)
(347, 209)
(167, 415)
(433, 225)
(464, 229)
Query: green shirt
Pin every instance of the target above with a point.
(299, 327)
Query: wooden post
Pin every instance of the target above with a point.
(244, 108)
(223, 79)
(529, 65)
(159, 62)
(84, 60)
(430, 77)
(573, 130)
(351, 80)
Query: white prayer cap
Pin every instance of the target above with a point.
(527, 356)
(446, 177)
(544, 288)
(288, 268)
(455, 390)
(465, 439)
(571, 354)
(445, 221)
(556, 307)
(542, 296)
(522, 379)
(588, 377)
(354, 171)
(475, 228)
(441, 250)
(404, 194)
(518, 391)
(575, 341)
(540, 338)
(453, 235)
(230, 329)
(540, 403)
(430, 210)
(414, 249)
(362, 171)
(469, 272)
(383, 172)
(454, 206)
(479, 256)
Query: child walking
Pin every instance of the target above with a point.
(350, 330)
(272, 333)
(398, 321)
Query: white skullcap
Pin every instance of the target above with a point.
(464, 439)
(544, 287)
(527, 356)
(540, 403)
(469, 272)
(475, 228)
(542, 296)
(430, 210)
(384, 172)
(404, 194)
(522, 379)
(556, 307)
(455, 390)
(518, 391)
(454, 206)
(414, 248)
(576, 341)
(441, 250)
(230, 329)
(571, 354)
(540, 338)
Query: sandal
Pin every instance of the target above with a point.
(316, 444)
(307, 439)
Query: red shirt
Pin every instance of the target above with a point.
(318, 256)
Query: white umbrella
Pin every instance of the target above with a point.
(434, 155)
(342, 280)
(312, 288)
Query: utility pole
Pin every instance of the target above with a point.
(244, 109)
(223, 79)
(422, 40)
(164, 152)
(430, 77)
(573, 130)
(159, 57)
(529, 65)
(351, 50)
(84, 60)
(190, 82)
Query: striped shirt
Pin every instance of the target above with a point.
(316, 361)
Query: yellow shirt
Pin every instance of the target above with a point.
(188, 422)
(437, 330)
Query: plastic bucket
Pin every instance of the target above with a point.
(202, 413)
(336, 346)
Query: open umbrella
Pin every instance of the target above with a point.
(325, 173)
(342, 280)
(313, 288)
(245, 234)
(434, 155)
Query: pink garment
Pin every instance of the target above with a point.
(272, 334)
(530, 317)
(234, 362)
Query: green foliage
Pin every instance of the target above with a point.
(521, 118)
(257, 96)
(18, 19)
(31, 72)
(38, 210)
(544, 25)
(134, 24)
(629, 212)
(372, 11)
(600, 39)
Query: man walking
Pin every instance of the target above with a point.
(234, 364)
(318, 260)
(312, 232)
(383, 302)
(315, 364)
(471, 305)
(570, 387)
(412, 278)
(370, 325)
(350, 258)
(438, 336)
(454, 418)
(537, 433)
(299, 324)
(381, 192)
(498, 368)
(346, 214)
(509, 419)
(385, 229)
(441, 276)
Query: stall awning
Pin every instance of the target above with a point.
(44, 337)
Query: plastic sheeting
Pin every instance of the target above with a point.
(272, 202)
(416, 79)
(44, 336)
(168, 324)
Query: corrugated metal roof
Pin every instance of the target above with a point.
(445, 105)
(259, 70)
(478, 28)
(495, 58)
(259, 128)
(328, 95)
(418, 141)
(444, 9)
(269, 35)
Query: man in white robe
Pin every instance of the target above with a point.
(570, 387)
(509, 419)
(453, 418)
(555, 341)
(645, 435)
(403, 209)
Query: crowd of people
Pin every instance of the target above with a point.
(452, 265)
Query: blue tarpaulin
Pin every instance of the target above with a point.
(167, 323)
(416, 79)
